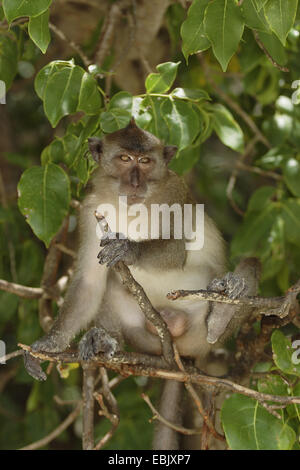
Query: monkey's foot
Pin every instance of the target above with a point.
(95, 341)
(117, 249)
(231, 285)
(33, 367)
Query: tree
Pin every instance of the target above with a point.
(219, 79)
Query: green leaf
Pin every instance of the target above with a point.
(182, 121)
(272, 159)
(291, 172)
(261, 198)
(251, 239)
(162, 81)
(283, 353)
(291, 215)
(185, 159)
(157, 125)
(281, 16)
(249, 426)
(90, 100)
(53, 153)
(260, 4)
(16, 8)
(227, 129)
(123, 100)
(61, 94)
(192, 31)
(8, 60)
(44, 197)
(278, 128)
(190, 94)
(65, 89)
(114, 120)
(38, 30)
(253, 18)
(274, 47)
(224, 26)
(272, 384)
(42, 78)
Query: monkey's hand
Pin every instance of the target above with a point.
(231, 285)
(221, 315)
(95, 341)
(118, 249)
(224, 319)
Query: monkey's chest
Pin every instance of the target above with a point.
(157, 284)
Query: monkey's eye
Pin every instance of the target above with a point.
(144, 160)
(125, 158)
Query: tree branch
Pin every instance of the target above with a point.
(122, 364)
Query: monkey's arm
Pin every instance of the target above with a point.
(83, 297)
(224, 319)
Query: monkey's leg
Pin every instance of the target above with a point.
(97, 340)
(171, 399)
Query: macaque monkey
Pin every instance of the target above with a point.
(134, 163)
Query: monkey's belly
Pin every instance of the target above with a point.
(176, 321)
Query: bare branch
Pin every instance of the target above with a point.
(71, 43)
(88, 406)
(21, 291)
(196, 399)
(181, 429)
(122, 364)
(64, 425)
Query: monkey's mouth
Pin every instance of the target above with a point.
(135, 199)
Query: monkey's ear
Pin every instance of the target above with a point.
(169, 152)
(132, 123)
(95, 147)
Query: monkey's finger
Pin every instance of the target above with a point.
(115, 260)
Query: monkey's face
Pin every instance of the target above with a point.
(133, 157)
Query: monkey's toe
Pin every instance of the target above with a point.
(33, 367)
(95, 341)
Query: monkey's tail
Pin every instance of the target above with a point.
(170, 408)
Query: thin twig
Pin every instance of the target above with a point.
(259, 171)
(11, 355)
(113, 418)
(266, 52)
(112, 414)
(64, 425)
(106, 38)
(21, 291)
(66, 250)
(180, 429)
(196, 398)
(72, 44)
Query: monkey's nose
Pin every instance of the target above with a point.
(135, 177)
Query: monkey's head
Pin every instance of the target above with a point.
(135, 158)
